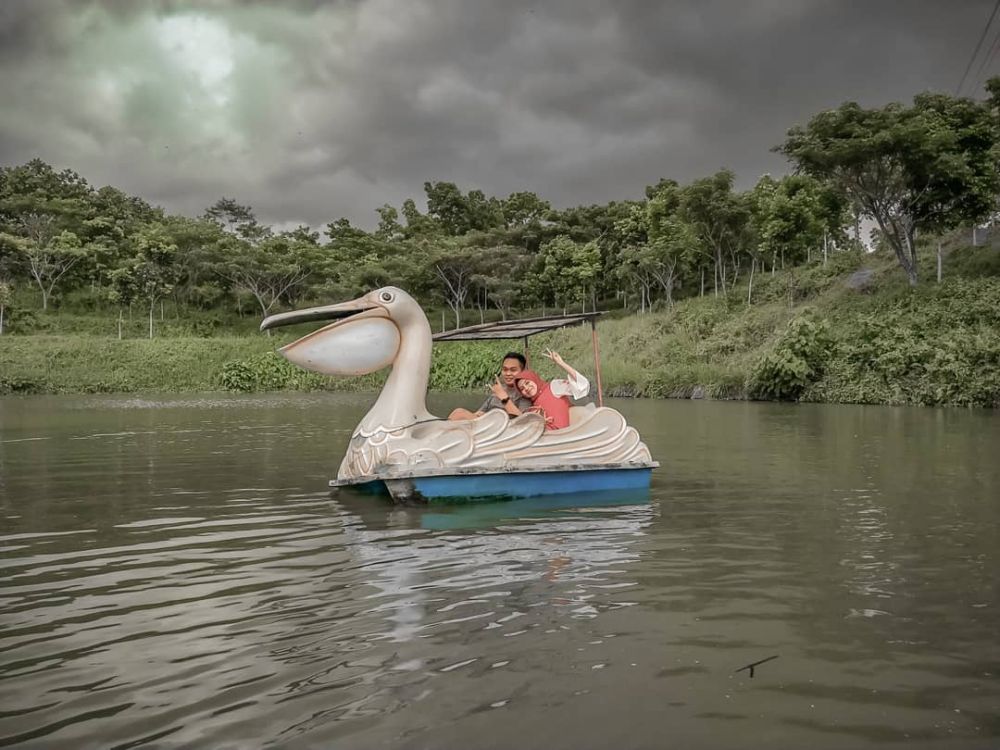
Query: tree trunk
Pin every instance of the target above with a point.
(2, 308)
(910, 258)
(824, 248)
(152, 304)
(939, 262)
(753, 267)
(121, 319)
(702, 282)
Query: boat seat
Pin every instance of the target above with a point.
(578, 413)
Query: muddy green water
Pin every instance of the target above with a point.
(173, 573)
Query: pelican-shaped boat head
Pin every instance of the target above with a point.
(384, 328)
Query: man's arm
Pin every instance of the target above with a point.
(511, 408)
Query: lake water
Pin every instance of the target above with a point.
(174, 573)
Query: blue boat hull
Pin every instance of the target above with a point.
(478, 484)
(529, 484)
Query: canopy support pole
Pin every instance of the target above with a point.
(597, 361)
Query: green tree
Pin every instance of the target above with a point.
(927, 167)
(200, 248)
(790, 217)
(269, 271)
(568, 269)
(389, 227)
(499, 274)
(49, 256)
(35, 188)
(153, 270)
(672, 242)
(123, 290)
(448, 206)
(238, 220)
(524, 208)
(455, 269)
(483, 213)
(719, 218)
(417, 224)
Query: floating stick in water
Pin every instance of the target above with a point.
(756, 664)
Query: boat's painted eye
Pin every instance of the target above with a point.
(386, 296)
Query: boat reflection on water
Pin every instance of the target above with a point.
(461, 515)
(494, 561)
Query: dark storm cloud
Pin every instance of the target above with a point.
(314, 110)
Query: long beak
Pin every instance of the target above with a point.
(325, 312)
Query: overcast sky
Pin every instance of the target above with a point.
(310, 111)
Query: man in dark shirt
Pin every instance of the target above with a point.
(503, 394)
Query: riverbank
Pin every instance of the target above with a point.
(848, 331)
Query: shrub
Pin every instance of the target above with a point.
(797, 360)
(268, 371)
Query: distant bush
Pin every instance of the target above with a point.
(797, 360)
(268, 371)
(940, 345)
(20, 384)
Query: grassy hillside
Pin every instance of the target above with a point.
(848, 331)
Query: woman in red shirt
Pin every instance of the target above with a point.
(552, 399)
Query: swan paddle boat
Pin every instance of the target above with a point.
(402, 449)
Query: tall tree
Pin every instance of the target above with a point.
(926, 167)
(567, 270)
(35, 188)
(446, 203)
(274, 269)
(720, 218)
(238, 220)
(154, 268)
(455, 269)
(6, 295)
(389, 227)
(524, 208)
(49, 256)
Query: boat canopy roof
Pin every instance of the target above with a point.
(515, 329)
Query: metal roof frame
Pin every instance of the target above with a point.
(525, 327)
(516, 329)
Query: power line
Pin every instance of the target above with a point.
(979, 44)
(988, 59)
